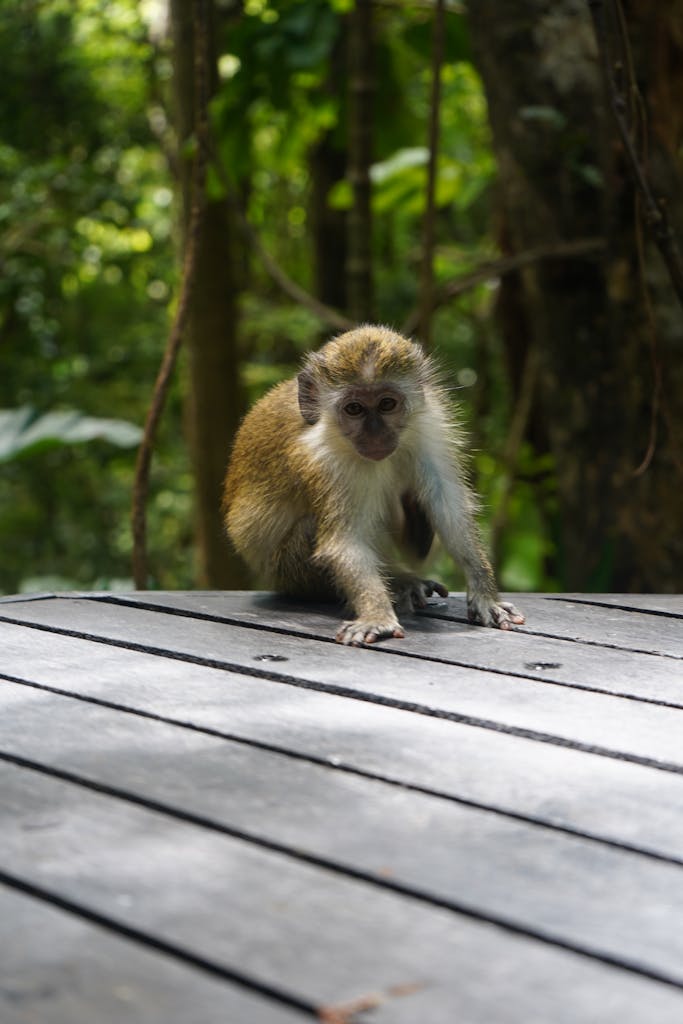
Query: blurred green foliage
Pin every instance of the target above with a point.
(87, 275)
(87, 219)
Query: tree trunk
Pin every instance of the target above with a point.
(215, 401)
(361, 92)
(426, 302)
(328, 226)
(562, 177)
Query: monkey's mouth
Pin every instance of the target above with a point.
(376, 454)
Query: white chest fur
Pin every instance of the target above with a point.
(369, 490)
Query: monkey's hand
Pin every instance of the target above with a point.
(411, 592)
(485, 611)
(367, 631)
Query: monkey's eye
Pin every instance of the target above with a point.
(387, 404)
(354, 409)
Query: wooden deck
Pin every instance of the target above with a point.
(212, 814)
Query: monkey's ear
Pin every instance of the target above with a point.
(308, 397)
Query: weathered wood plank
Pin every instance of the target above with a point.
(558, 616)
(454, 642)
(648, 604)
(610, 900)
(597, 624)
(625, 802)
(301, 928)
(57, 968)
(634, 729)
(654, 604)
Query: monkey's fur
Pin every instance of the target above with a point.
(340, 471)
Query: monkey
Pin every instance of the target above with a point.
(339, 473)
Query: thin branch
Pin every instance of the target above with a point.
(654, 352)
(654, 211)
(429, 225)
(295, 292)
(175, 337)
(516, 434)
(486, 271)
(452, 6)
(489, 270)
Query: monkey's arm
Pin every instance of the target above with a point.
(355, 569)
(450, 507)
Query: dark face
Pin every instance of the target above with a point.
(372, 417)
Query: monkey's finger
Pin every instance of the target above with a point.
(514, 613)
(500, 615)
(504, 619)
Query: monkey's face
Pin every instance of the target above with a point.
(372, 417)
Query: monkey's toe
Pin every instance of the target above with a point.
(411, 592)
(435, 588)
(360, 631)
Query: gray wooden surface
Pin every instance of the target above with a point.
(211, 813)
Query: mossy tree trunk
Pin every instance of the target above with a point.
(563, 177)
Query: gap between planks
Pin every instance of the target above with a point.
(412, 707)
(453, 906)
(428, 613)
(309, 635)
(337, 765)
(569, 599)
(138, 935)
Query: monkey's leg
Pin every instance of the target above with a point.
(296, 572)
(483, 606)
(451, 513)
(355, 569)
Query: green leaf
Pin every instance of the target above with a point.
(340, 196)
(417, 156)
(22, 433)
(591, 175)
(12, 423)
(544, 115)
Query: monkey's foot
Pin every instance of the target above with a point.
(366, 631)
(483, 611)
(411, 592)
